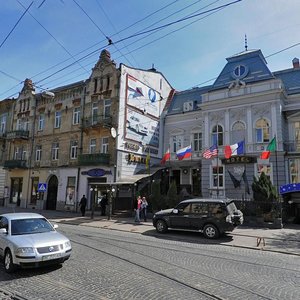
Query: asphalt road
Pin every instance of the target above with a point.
(107, 264)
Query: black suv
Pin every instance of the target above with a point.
(211, 216)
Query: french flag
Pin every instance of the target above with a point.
(184, 152)
(235, 149)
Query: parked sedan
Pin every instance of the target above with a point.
(30, 240)
(213, 217)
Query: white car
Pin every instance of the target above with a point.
(135, 124)
(30, 240)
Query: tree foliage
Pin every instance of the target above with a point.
(263, 189)
(172, 198)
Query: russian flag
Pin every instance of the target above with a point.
(236, 149)
(184, 152)
(166, 157)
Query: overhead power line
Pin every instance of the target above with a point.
(16, 24)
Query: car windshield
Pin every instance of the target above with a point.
(30, 226)
(231, 207)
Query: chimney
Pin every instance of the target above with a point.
(296, 63)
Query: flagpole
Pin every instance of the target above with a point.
(169, 167)
(218, 171)
(276, 165)
(245, 167)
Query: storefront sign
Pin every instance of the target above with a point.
(136, 158)
(132, 147)
(239, 160)
(96, 172)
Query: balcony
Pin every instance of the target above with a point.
(97, 120)
(18, 134)
(15, 164)
(93, 159)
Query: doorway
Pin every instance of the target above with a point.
(52, 193)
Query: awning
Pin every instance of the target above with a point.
(131, 179)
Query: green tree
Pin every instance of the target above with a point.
(172, 197)
(263, 189)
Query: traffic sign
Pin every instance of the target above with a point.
(42, 187)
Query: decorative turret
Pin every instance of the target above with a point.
(28, 86)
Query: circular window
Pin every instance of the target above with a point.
(240, 71)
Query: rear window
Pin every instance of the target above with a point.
(231, 207)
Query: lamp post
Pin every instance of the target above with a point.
(93, 197)
(110, 192)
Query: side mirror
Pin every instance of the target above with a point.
(55, 226)
(175, 211)
(3, 230)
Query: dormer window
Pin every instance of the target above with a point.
(240, 72)
(188, 106)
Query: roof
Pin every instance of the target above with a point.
(291, 80)
(18, 216)
(255, 64)
(194, 95)
(223, 200)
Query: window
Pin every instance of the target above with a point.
(74, 149)
(176, 143)
(217, 135)
(262, 131)
(200, 208)
(41, 121)
(297, 136)
(197, 141)
(16, 153)
(294, 168)
(38, 153)
(76, 115)
(218, 176)
(95, 113)
(107, 82)
(34, 190)
(55, 148)
(238, 132)
(19, 124)
(70, 191)
(92, 146)
(3, 123)
(266, 168)
(104, 145)
(24, 154)
(57, 122)
(107, 105)
(26, 124)
(95, 85)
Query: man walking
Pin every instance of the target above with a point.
(82, 205)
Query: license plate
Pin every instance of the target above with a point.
(51, 256)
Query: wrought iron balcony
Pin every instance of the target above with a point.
(17, 134)
(93, 159)
(15, 164)
(97, 120)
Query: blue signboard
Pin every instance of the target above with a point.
(42, 187)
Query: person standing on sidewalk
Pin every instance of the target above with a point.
(103, 204)
(144, 206)
(138, 209)
(82, 204)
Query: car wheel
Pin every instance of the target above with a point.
(211, 231)
(8, 262)
(161, 226)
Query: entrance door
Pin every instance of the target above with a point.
(52, 193)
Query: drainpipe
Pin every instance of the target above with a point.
(80, 145)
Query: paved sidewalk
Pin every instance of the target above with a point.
(285, 240)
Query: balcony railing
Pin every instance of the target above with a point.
(15, 164)
(94, 159)
(17, 134)
(97, 120)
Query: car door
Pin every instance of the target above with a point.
(180, 219)
(199, 215)
(3, 224)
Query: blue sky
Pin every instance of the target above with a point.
(54, 34)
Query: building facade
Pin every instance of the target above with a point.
(247, 103)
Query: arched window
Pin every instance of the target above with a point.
(217, 135)
(262, 131)
(238, 132)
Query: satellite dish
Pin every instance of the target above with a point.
(113, 132)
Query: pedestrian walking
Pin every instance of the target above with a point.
(82, 204)
(138, 209)
(144, 206)
(103, 204)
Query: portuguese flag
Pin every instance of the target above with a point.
(270, 148)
